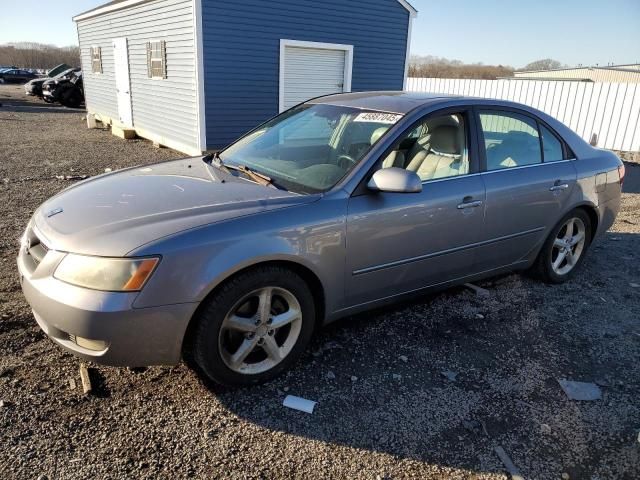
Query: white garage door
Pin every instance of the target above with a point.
(312, 72)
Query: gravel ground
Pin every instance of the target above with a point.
(385, 409)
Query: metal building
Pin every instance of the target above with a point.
(194, 75)
(611, 73)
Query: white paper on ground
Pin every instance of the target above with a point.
(298, 403)
(580, 390)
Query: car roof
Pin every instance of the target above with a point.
(403, 102)
(392, 101)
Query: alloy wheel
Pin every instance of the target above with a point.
(260, 330)
(568, 246)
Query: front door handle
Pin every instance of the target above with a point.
(469, 204)
(559, 186)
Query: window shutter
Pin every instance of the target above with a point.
(149, 56)
(163, 46)
(100, 56)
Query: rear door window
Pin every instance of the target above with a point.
(510, 139)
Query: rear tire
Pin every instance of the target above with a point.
(254, 327)
(565, 248)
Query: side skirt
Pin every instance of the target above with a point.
(412, 294)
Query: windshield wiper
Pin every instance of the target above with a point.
(261, 178)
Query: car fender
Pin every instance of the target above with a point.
(195, 262)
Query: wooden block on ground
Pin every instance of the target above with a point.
(84, 377)
(123, 132)
(91, 121)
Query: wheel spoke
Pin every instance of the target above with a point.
(558, 242)
(285, 318)
(571, 259)
(241, 324)
(558, 262)
(245, 348)
(271, 348)
(264, 307)
(577, 239)
(569, 232)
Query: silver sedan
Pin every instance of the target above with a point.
(339, 205)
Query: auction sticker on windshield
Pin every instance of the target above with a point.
(378, 117)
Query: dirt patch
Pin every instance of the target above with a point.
(385, 409)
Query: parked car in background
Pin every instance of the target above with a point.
(16, 75)
(69, 91)
(336, 206)
(34, 87)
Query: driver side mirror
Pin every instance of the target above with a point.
(397, 180)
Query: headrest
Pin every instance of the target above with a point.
(444, 139)
(377, 133)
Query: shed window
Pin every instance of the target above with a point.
(96, 59)
(157, 59)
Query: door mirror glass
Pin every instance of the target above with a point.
(397, 180)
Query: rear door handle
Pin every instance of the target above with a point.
(469, 204)
(559, 186)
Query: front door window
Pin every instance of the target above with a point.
(435, 149)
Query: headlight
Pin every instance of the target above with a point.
(109, 274)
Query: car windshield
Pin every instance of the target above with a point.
(309, 148)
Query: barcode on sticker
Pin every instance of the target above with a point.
(378, 117)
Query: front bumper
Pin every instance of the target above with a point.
(129, 336)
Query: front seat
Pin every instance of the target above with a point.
(395, 158)
(437, 154)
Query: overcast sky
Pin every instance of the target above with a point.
(508, 32)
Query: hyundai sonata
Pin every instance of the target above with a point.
(336, 206)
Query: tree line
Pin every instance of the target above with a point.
(38, 55)
(438, 67)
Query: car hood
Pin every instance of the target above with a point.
(37, 80)
(113, 214)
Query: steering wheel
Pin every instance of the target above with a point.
(346, 161)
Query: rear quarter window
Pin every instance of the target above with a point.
(551, 145)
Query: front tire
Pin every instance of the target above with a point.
(254, 327)
(71, 98)
(565, 248)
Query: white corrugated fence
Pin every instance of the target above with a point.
(610, 111)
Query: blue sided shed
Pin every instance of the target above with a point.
(196, 74)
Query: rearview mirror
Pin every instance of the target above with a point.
(396, 180)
